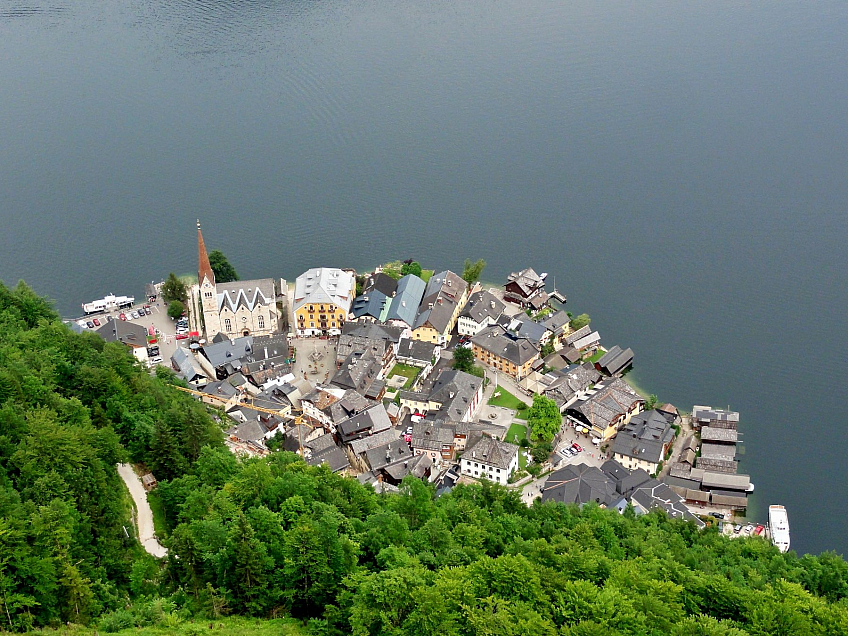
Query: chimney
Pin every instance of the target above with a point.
(440, 300)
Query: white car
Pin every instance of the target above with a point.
(134, 315)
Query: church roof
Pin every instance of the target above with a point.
(204, 269)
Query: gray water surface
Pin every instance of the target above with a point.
(681, 168)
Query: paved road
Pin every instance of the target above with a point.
(144, 516)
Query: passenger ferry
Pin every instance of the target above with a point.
(779, 527)
(107, 304)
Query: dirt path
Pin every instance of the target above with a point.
(144, 516)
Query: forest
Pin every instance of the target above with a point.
(311, 552)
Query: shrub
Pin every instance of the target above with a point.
(116, 621)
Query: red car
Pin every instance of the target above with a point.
(181, 336)
(759, 530)
(577, 447)
(122, 316)
(96, 322)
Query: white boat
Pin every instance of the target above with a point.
(108, 303)
(779, 527)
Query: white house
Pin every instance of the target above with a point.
(488, 458)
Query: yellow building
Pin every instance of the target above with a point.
(502, 350)
(322, 299)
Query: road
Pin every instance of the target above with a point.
(144, 516)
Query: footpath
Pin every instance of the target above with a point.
(144, 515)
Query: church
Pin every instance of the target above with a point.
(238, 308)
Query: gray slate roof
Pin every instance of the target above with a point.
(482, 305)
(359, 446)
(358, 371)
(454, 390)
(570, 382)
(497, 340)
(612, 397)
(527, 280)
(129, 333)
(188, 365)
(571, 338)
(418, 350)
(368, 422)
(616, 360)
(579, 484)
(370, 303)
(387, 454)
(644, 437)
(491, 451)
(556, 322)
(382, 283)
(232, 352)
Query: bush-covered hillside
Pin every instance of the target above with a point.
(274, 538)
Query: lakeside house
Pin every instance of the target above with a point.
(643, 442)
(606, 409)
(444, 298)
(483, 309)
(503, 350)
(526, 289)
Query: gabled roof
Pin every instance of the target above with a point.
(611, 398)
(416, 466)
(387, 454)
(491, 452)
(382, 283)
(527, 280)
(187, 363)
(571, 381)
(446, 283)
(128, 333)
(644, 437)
(587, 341)
(367, 422)
(404, 307)
(227, 351)
(616, 360)
(482, 305)
(324, 285)
(358, 371)
(432, 435)
(416, 350)
(500, 342)
(359, 446)
(436, 310)
(580, 484)
(371, 303)
(556, 322)
(247, 293)
(523, 327)
(455, 390)
(571, 338)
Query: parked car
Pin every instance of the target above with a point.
(89, 324)
(737, 529)
(759, 530)
(181, 336)
(717, 515)
(96, 322)
(577, 447)
(134, 315)
(122, 316)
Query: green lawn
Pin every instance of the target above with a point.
(509, 401)
(158, 511)
(597, 355)
(516, 433)
(427, 274)
(406, 371)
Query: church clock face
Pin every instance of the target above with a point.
(244, 318)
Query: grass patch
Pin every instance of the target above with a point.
(427, 274)
(505, 399)
(407, 371)
(597, 355)
(516, 433)
(160, 526)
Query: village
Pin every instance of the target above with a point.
(403, 371)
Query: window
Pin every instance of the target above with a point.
(334, 323)
(227, 324)
(321, 308)
(261, 322)
(311, 324)
(207, 294)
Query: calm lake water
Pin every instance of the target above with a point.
(680, 168)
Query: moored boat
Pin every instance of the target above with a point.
(779, 527)
(107, 304)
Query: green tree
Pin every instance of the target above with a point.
(471, 271)
(221, 267)
(544, 419)
(463, 359)
(651, 402)
(547, 349)
(174, 289)
(411, 267)
(175, 309)
(580, 321)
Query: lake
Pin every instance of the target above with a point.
(680, 168)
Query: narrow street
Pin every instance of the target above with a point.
(143, 516)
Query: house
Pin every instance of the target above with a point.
(358, 372)
(558, 324)
(356, 450)
(385, 455)
(380, 340)
(643, 442)
(606, 409)
(381, 283)
(323, 450)
(322, 301)
(129, 333)
(718, 418)
(368, 422)
(572, 383)
(436, 438)
(614, 361)
(491, 459)
(419, 466)
(444, 298)
(521, 326)
(526, 289)
(483, 309)
(370, 306)
(456, 394)
(149, 482)
(405, 302)
(580, 484)
(501, 349)
(418, 353)
(317, 403)
(587, 344)
(184, 363)
(238, 308)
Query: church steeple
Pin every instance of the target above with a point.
(204, 269)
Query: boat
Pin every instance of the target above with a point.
(779, 527)
(108, 303)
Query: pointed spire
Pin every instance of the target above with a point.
(204, 269)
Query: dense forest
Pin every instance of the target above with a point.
(274, 538)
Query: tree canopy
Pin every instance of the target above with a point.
(463, 359)
(580, 321)
(175, 309)
(174, 289)
(274, 537)
(471, 271)
(224, 272)
(411, 267)
(544, 418)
